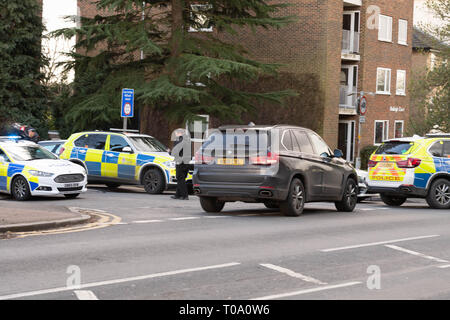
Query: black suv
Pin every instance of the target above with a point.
(281, 166)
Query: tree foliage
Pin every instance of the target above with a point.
(431, 91)
(22, 97)
(157, 48)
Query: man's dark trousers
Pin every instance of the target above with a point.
(182, 172)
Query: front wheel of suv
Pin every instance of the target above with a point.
(350, 198)
(154, 182)
(439, 195)
(392, 200)
(210, 204)
(295, 203)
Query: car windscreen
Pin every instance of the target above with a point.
(395, 147)
(28, 153)
(147, 144)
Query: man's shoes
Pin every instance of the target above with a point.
(174, 197)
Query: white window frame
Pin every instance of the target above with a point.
(350, 156)
(388, 20)
(403, 40)
(395, 127)
(195, 10)
(385, 132)
(386, 78)
(397, 91)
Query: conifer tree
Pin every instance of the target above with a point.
(158, 47)
(22, 97)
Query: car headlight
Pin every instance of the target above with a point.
(37, 173)
(169, 164)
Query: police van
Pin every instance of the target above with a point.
(413, 167)
(116, 159)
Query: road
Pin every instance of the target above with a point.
(167, 249)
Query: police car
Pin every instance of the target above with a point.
(27, 169)
(412, 168)
(118, 159)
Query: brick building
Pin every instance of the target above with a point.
(332, 53)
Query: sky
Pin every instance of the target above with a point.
(53, 15)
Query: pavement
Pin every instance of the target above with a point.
(26, 216)
(167, 249)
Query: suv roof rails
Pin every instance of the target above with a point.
(124, 131)
(438, 135)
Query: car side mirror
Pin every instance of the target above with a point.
(338, 153)
(127, 150)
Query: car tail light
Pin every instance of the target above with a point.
(410, 163)
(202, 159)
(372, 163)
(271, 158)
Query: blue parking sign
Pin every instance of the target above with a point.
(127, 109)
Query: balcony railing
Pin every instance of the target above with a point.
(350, 41)
(347, 100)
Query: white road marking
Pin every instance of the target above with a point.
(378, 243)
(184, 218)
(85, 295)
(147, 221)
(368, 209)
(300, 292)
(116, 281)
(215, 217)
(418, 254)
(292, 273)
(444, 266)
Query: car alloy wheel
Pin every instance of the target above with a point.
(20, 189)
(154, 181)
(350, 197)
(439, 194)
(294, 204)
(443, 194)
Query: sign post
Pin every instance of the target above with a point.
(127, 106)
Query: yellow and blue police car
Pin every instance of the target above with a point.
(412, 168)
(27, 169)
(118, 159)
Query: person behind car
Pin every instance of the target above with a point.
(181, 151)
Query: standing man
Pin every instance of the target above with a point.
(181, 152)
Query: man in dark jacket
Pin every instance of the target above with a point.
(181, 152)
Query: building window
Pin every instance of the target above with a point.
(401, 83)
(385, 28)
(201, 22)
(383, 81)
(381, 131)
(403, 32)
(398, 128)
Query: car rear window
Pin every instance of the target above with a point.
(250, 141)
(395, 147)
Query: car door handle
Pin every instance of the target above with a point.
(109, 155)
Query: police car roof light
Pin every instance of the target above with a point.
(122, 130)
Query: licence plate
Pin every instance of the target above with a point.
(230, 162)
(386, 165)
(71, 185)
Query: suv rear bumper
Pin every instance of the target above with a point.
(240, 193)
(403, 191)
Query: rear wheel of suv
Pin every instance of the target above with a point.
(350, 198)
(294, 204)
(392, 201)
(439, 195)
(154, 182)
(210, 204)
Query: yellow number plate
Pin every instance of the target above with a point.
(386, 165)
(231, 162)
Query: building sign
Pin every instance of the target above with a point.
(362, 106)
(397, 109)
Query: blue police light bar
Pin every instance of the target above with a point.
(10, 138)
